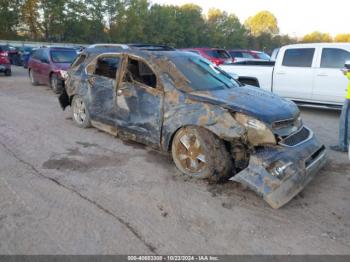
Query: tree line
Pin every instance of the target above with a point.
(136, 21)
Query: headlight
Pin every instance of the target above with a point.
(258, 132)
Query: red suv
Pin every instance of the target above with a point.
(5, 66)
(215, 55)
(48, 66)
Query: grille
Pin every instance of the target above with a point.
(296, 138)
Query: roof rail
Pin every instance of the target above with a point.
(109, 45)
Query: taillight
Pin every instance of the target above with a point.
(3, 54)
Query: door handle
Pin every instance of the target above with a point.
(281, 73)
(322, 74)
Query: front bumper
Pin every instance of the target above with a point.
(300, 164)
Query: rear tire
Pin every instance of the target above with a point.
(80, 114)
(200, 154)
(31, 77)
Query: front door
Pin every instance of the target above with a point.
(330, 84)
(140, 101)
(293, 76)
(101, 80)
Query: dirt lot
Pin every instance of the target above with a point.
(65, 190)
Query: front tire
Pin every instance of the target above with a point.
(80, 113)
(200, 154)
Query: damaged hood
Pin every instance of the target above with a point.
(253, 101)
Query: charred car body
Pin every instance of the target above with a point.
(214, 127)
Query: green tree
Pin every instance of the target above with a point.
(191, 25)
(162, 26)
(317, 37)
(225, 30)
(262, 22)
(30, 18)
(53, 19)
(9, 18)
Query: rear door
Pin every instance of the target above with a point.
(330, 84)
(293, 75)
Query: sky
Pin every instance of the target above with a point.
(295, 17)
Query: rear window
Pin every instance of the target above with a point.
(217, 53)
(299, 57)
(63, 56)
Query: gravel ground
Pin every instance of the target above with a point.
(65, 190)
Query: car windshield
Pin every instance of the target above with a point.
(63, 56)
(218, 53)
(202, 75)
(263, 56)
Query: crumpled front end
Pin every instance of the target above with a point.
(278, 173)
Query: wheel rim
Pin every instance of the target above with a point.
(79, 111)
(190, 153)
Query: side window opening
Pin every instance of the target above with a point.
(299, 57)
(140, 72)
(107, 67)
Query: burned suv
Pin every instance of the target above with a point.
(213, 126)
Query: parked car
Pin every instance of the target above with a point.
(213, 127)
(5, 66)
(215, 55)
(306, 73)
(13, 54)
(25, 53)
(48, 66)
(251, 55)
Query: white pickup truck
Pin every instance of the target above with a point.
(308, 74)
